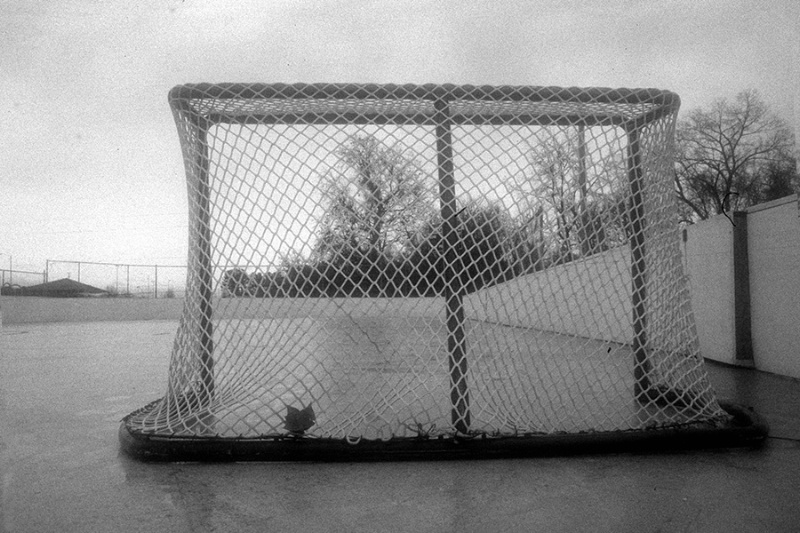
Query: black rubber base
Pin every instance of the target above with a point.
(746, 429)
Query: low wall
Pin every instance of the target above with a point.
(708, 260)
(590, 298)
(287, 308)
(32, 309)
(774, 259)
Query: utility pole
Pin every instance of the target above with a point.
(10, 269)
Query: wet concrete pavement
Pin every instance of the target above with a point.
(65, 387)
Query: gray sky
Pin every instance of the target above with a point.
(91, 168)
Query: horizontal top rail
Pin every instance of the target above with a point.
(75, 262)
(414, 104)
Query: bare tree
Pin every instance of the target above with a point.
(576, 192)
(377, 197)
(526, 241)
(730, 155)
(780, 179)
(553, 182)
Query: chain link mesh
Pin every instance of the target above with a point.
(387, 262)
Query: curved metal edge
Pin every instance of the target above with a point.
(746, 429)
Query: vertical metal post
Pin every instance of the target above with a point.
(582, 164)
(79, 271)
(584, 233)
(155, 284)
(127, 279)
(743, 333)
(638, 225)
(202, 200)
(456, 341)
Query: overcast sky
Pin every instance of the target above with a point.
(90, 166)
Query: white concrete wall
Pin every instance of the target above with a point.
(774, 250)
(33, 309)
(708, 259)
(569, 298)
(590, 297)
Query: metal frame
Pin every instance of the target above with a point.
(440, 106)
(747, 430)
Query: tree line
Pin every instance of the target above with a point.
(422, 266)
(732, 155)
(383, 234)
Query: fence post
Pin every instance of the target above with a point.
(742, 320)
(155, 286)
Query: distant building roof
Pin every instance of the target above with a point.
(64, 288)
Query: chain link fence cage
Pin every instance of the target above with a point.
(388, 271)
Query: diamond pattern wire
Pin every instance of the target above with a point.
(425, 261)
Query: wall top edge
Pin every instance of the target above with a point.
(775, 203)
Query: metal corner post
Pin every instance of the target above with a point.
(741, 291)
(638, 226)
(202, 199)
(456, 338)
